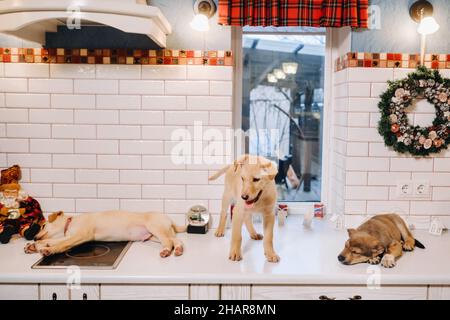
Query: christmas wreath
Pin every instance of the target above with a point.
(394, 125)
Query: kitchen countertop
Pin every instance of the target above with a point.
(308, 256)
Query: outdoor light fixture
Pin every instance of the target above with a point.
(271, 78)
(204, 9)
(290, 67)
(422, 12)
(279, 74)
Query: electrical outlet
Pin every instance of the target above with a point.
(421, 189)
(408, 189)
(404, 189)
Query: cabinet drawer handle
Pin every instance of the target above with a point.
(357, 297)
(85, 296)
(54, 296)
(326, 298)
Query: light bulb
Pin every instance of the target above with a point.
(290, 67)
(200, 23)
(271, 78)
(427, 26)
(279, 74)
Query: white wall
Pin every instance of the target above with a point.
(365, 171)
(97, 137)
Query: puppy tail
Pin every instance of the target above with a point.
(179, 229)
(418, 244)
(218, 173)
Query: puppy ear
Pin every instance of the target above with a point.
(54, 216)
(351, 232)
(237, 165)
(270, 169)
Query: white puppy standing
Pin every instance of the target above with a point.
(62, 232)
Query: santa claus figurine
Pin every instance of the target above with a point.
(19, 213)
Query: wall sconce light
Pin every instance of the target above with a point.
(279, 74)
(271, 78)
(204, 9)
(290, 67)
(422, 12)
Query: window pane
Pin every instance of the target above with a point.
(282, 108)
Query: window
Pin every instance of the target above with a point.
(283, 104)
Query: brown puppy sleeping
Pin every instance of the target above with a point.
(385, 236)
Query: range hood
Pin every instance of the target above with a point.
(31, 19)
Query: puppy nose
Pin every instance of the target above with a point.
(341, 258)
(244, 197)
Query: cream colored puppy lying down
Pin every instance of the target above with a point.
(62, 232)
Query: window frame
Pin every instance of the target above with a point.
(236, 44)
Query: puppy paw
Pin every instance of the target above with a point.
(388, 261)
(272, 257)
(375, 260)
(409, 245)
(219, 233)
(165, 253)
(30, 248)
(46, 251)
(257, 236)
(235, 255)
(179, 250)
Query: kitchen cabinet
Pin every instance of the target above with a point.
(85, 292)
(439, 293)
(235, 292)
(204, 292)
(54, 292)
(144, 292)
(260, 292)
(19, 292)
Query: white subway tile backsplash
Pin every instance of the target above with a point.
(51, 116)
(118, 132)
(96, 205)
(2, 69)
(69, 71)
(50, 85)
(97, 116)
(356, 89)
(221, 118)
(50, 205)
(364, 134)
(374, 75)
(3, 160)
(358, 120)
(28, 130)
(118, 162)
(367, 164)
(441, 193)
(75, 191)
(358, 149)
(52, 175)
(13, 85)
(163, 192)
(141, 147)
(119, 191)
(377, 207)
(74, 131)
(366, 193)
(204, 191)
(142, 117)
(161, 162)
(141, 176)
(442, 164)
(105, 71)
(97, 176)
(221, 88)
(13, 145)
(210, 73)
(96, 146)
(68, 161)
(428, 208)
(387, 178)
(51, 146)
(21, 100)
(13, 115)
(159, 132)
(436, 179)
(186, 117)
(355, 178)
(182, 206)
(379, 149)
(209, 103)
(26, 70)
(165, 72)
(185, 177)
(96, 86)
(411, 164)
(363, 104)
(38, 190)
(30, 160)
(73, 101)
(185, 88)
(141, 87)
(118, 102)
(164, 102)
(134, 205)
(355, 206)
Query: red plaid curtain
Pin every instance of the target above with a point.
(293, 13)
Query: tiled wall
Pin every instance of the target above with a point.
(365, 172)
(97, 137)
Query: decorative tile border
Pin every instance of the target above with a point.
(391, 60)
(116, 56)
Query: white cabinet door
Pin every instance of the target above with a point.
(19, 292)
(235, 292)
(144, 292)
(204, 292)
(439, 293)
(85, 292)
(54, 292)
(338, 293)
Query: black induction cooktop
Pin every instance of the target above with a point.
(91, 255)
